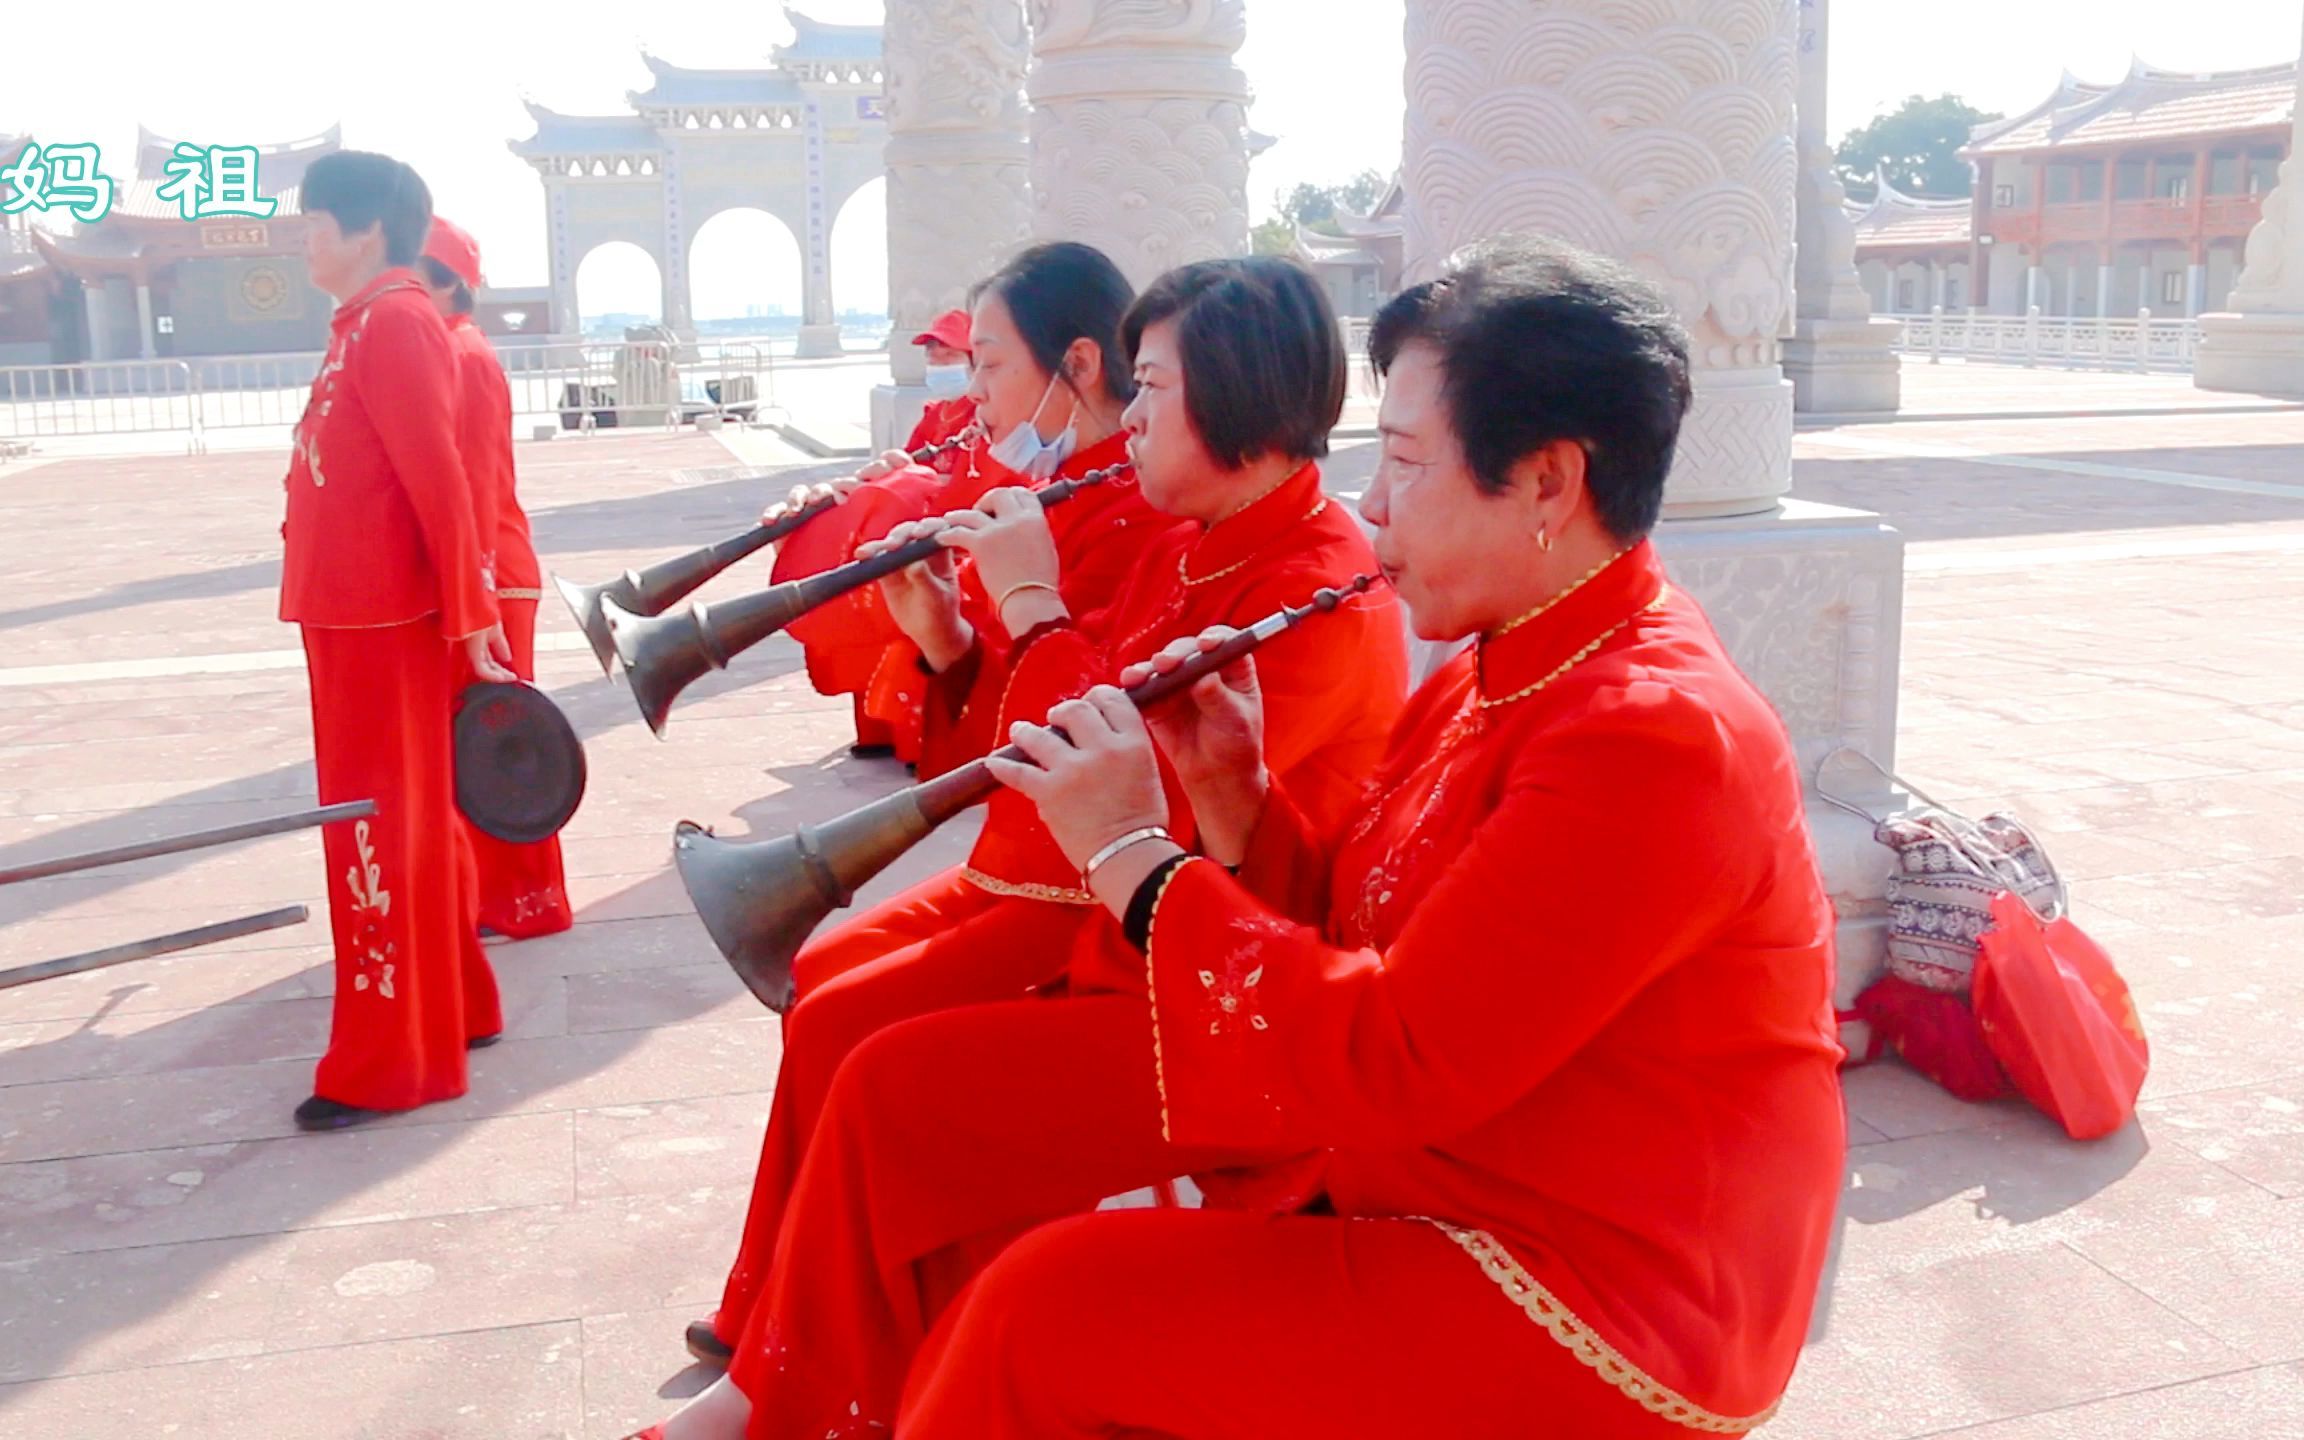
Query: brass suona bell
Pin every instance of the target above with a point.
(661, 586)
(665, 654)
(760, 900)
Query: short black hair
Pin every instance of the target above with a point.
(1540, 341)
(1263, 361)
(361, 188)
(440, 277)
(1060, 293)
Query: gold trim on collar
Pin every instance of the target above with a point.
(1590, 649)
(1595, 573)
(1183, 561)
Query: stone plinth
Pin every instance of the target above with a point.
(818, 342)
(2259, 345)
(1809, 600)
(1845, 367)
(2262, 354)
(1840, 360)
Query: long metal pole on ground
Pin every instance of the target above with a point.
(197, 840)
(158, 945)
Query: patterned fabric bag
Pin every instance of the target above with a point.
(1948, 869)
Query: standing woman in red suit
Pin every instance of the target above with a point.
(523, 893)
(383, 572)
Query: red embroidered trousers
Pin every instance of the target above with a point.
(412, 986)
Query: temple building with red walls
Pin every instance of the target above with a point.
(2102, 200)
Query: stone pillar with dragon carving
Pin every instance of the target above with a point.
(1661, 132)
(1839, 359)
(2257, 343)
(959, 164)
(1140, 129)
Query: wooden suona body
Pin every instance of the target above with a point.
(760, 900)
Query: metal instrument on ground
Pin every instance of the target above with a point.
(664, 584)
(664, 654)
(172, 845)
(760, 900)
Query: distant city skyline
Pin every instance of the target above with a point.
(441, 87)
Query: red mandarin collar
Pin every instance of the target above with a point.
(1233, 540)
(396, 278)
(1527, 650)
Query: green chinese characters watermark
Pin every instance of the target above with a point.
(206, 182)
(56, 177)
(209, 182)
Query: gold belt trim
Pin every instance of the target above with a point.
(520, 594)
(1546, 1309)
(1021, 890)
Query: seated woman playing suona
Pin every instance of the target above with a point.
(1550, 1014)
(1242, 375)
(1554, 1008)
(1047, 387)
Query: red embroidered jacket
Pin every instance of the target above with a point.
(380, 529)
(1563, 988)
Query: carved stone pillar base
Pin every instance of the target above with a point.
(895, 414)
(818, 342)
(1809, 600)
(1844, 367)
(2262, 354)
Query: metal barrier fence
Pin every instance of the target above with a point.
(1359, 372)
(579, 385)
(2110, 342)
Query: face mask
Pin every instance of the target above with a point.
(1024, 452)
(946, 381)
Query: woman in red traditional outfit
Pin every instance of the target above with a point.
(1241, 377)
(1048, 387)
(523, 890)
(1551, 1014)
(383, 572)
(951, 359)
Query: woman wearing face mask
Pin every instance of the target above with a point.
(949, 410)
(1047, 390)
(853, 647)
(1241, 375)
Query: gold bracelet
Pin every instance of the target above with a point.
(1000, 606)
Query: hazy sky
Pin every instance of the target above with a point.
(440, 85)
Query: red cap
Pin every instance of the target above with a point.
(951, 328)
(449, 245)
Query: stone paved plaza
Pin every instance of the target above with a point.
(2101, 634)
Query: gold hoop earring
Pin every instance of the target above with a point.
(1543, 539)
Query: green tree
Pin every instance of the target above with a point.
(1917, 145)
(1314, 207)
